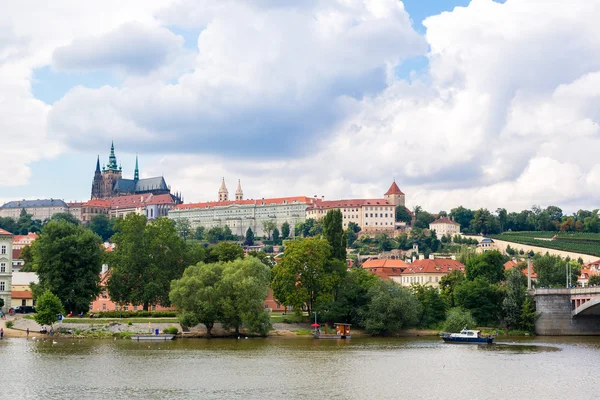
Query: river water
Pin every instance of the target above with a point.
(300, 368)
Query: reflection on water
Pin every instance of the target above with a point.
(290, 368)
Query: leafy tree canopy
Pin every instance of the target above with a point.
(488, 265)
(48, 307)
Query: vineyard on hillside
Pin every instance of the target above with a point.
(577, 242)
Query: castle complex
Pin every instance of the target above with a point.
(109, 181)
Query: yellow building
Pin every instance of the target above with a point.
(21, 288)
(429, 271)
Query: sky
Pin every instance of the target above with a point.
(478, 103)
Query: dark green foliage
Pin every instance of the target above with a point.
(334, 233)
(594, 280)
(195, 253)
(448, 285)
(310, 227)
(351, 298)
(515, 295)
(422, 218)
(488, 265)
(24, 224)
(285, 230)
(102, 226)
(433, 306)
(137, 314)
(226, 251)
(276, 236)
(552, 270)
(457, 320)
(482, 299)
(463, 216)
(68, 261)
(47, 309)
(65, 217)
(172, 330)
(402, 215)
(249, 237)
(528, 315)
(199, 233)
(264, 258)
(391, 308)
(218, 234)
(147, 257)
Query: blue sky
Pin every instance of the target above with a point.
(316, 97)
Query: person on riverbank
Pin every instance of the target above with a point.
(1, 333)
(27, 332)
(2, 315)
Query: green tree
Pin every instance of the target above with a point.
(515, 294)
(226, 251)
(300, 278)
(488, 265)
(65, 217)
(102, 226)
(199, 233)
(285, 230)
(448, 285)
(463, 216)
(68, 261)
(1, 303)
(47, 309)
(269, 227)
(227, 234)
(482, 298)
(334, 233)
(594, 280)
(528, 315)
(402, 214)
(276, 236)
(147, 257)
(502, 217)
(198, 294)
(351, 298)
(433, 306)
(391, 308)
(264, 258)
(215, 234)
(249, 237)
(458, 319)
(195, 253)
(183, 227)
(552, 270)
(244, 285)
(423, 218)
(27, 258)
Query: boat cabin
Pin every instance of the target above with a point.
(343, 330)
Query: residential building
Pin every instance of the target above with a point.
(75, 209)
(371, 215)
(20, 241)
(109, 182)
(240, 214)
(39, 209)
(6, 241)
(386, 269)
(486, 244)
(150, 205)
(429, 271)
(91, 208)
(445, 226)
(510, 264)
(21, 288)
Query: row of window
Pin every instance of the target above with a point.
(3, 249)
(418, 279)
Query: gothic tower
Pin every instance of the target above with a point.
(239, 195)
(97, 182)
(110, 174)
(223, 192)
(395, 196)
(136, 172)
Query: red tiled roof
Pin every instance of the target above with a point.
(511, 264)
(97, 203)
(21, 294)
(3, 232)
(444, 220)
(385, 272)
(327, 204)
(160, 199)
(435, 266)
(394, 189)
(384, 264)
(16, 254)
(30, 235)
(278, 200)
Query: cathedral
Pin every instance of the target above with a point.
(109, 181)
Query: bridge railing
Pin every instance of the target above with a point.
(565, 291)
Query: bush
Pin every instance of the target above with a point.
(458, 319)
(137, 314)
(172, 330)
(9, 324)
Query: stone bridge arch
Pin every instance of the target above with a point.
(591, 307)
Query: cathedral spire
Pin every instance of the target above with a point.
(98, 164)
(223, 192)
(112, 159)
(136, 173)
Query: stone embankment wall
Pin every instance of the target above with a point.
(555, 317)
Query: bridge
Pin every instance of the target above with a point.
(568, 311)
